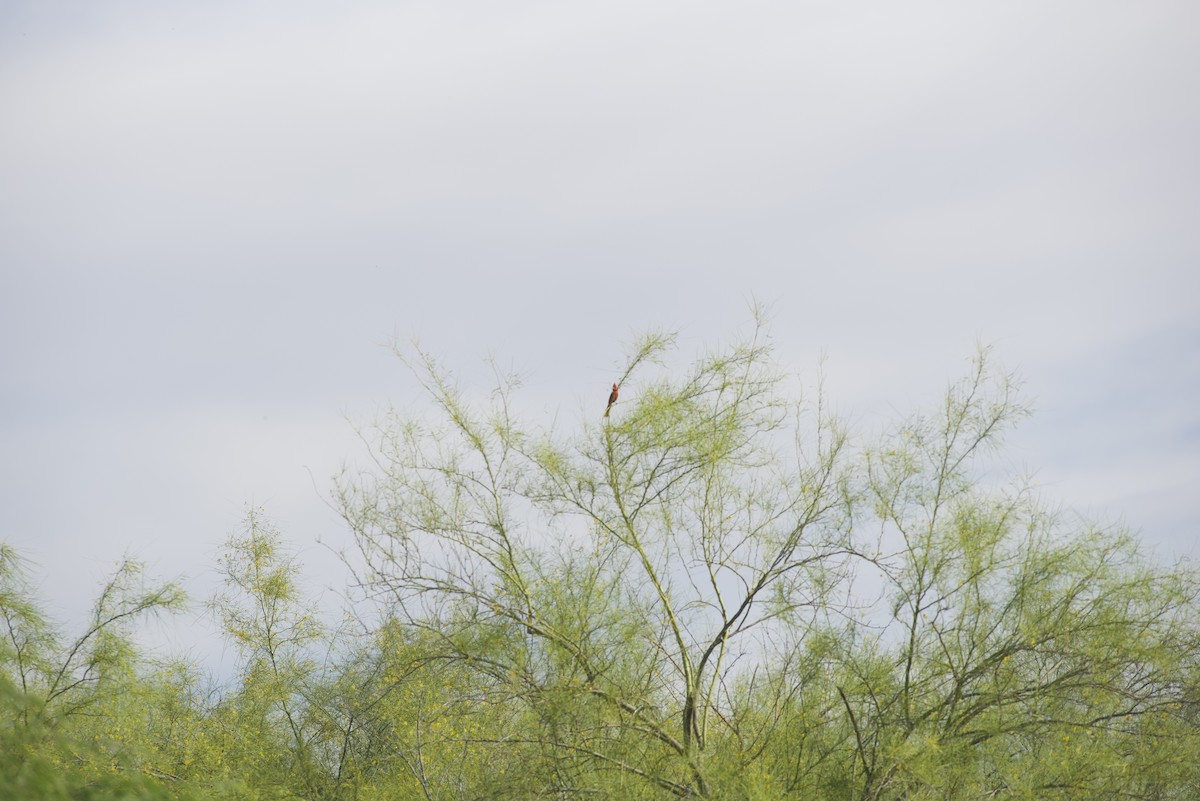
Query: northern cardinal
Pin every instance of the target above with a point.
(612, 398)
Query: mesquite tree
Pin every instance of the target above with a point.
(715, 592)
(617, 581)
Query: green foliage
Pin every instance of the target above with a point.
(61, 733)
(717, 591)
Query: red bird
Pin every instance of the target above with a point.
(612, 398)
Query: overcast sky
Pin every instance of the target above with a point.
(214, 216)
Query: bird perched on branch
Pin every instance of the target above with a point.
(612, 398)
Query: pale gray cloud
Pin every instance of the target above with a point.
(211, 215)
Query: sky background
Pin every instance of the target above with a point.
(214, 217)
